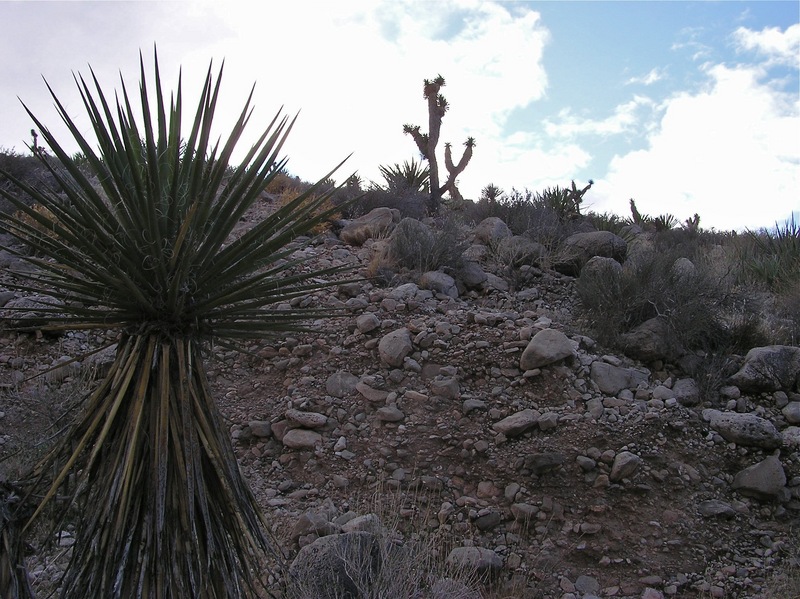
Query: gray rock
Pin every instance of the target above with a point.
(587, 584)
(715, 508)
(341, 384)
(306, 419)
(541, 463)
(474, 559)
(403, 292)
(300, 438)
(337, 566)
(792, 412)
(518, 423)
(518, 250)
(763, 480)
(546, 347)
(744, 429)
(686, 392)
(791, 436)
(650, 341)
(260, 428)
(613, 379)
(769, 368)
(625, 464)
(390, 414)
(395, 346)
(579, 248)
(491, 230)
(471, 275)
(376, 223)
(368, 322)
(439, 282)
(447, 387)
(599, 273)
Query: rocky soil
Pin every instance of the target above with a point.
(490, 418)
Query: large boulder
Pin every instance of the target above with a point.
(763, 480)
(769, 368)
(579, 248)
(744, 429)
(491, 230)
(547, 347)
(376, 223)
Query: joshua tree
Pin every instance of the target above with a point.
(151, 258)
(575, 197)
(426, 142)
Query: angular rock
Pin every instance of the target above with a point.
(439, 282)
(518, 423)
(650, 341)
(447, 387)
(367, 322)
(744, 429)
(395, 346)
(769, 368)
(374, 224)
(471, 275)
(613, 379)
(625, 464)
(546, 347)
(341, 384)
(763, 480)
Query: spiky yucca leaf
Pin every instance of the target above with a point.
(149, 250)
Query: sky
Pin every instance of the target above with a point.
(687, 107)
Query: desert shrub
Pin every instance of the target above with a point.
(697, 306)
(771, 257)
(417, 247)
(606, 221)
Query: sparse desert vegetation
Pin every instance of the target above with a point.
(223, 381)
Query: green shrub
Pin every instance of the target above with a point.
(771, 257)
(417, 247)
(701, 310)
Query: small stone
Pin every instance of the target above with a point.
(390, 414)
(300, 438)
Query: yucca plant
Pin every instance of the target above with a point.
(408, 176)
(148, 251)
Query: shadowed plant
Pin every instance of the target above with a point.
(160, 506)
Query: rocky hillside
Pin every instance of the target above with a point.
(474, 407)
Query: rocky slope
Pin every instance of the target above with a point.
(490, 418)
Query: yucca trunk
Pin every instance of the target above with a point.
(158, 479)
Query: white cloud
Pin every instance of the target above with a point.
(780, 47)
(625, 118)
(730, 153)
(650, 78)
